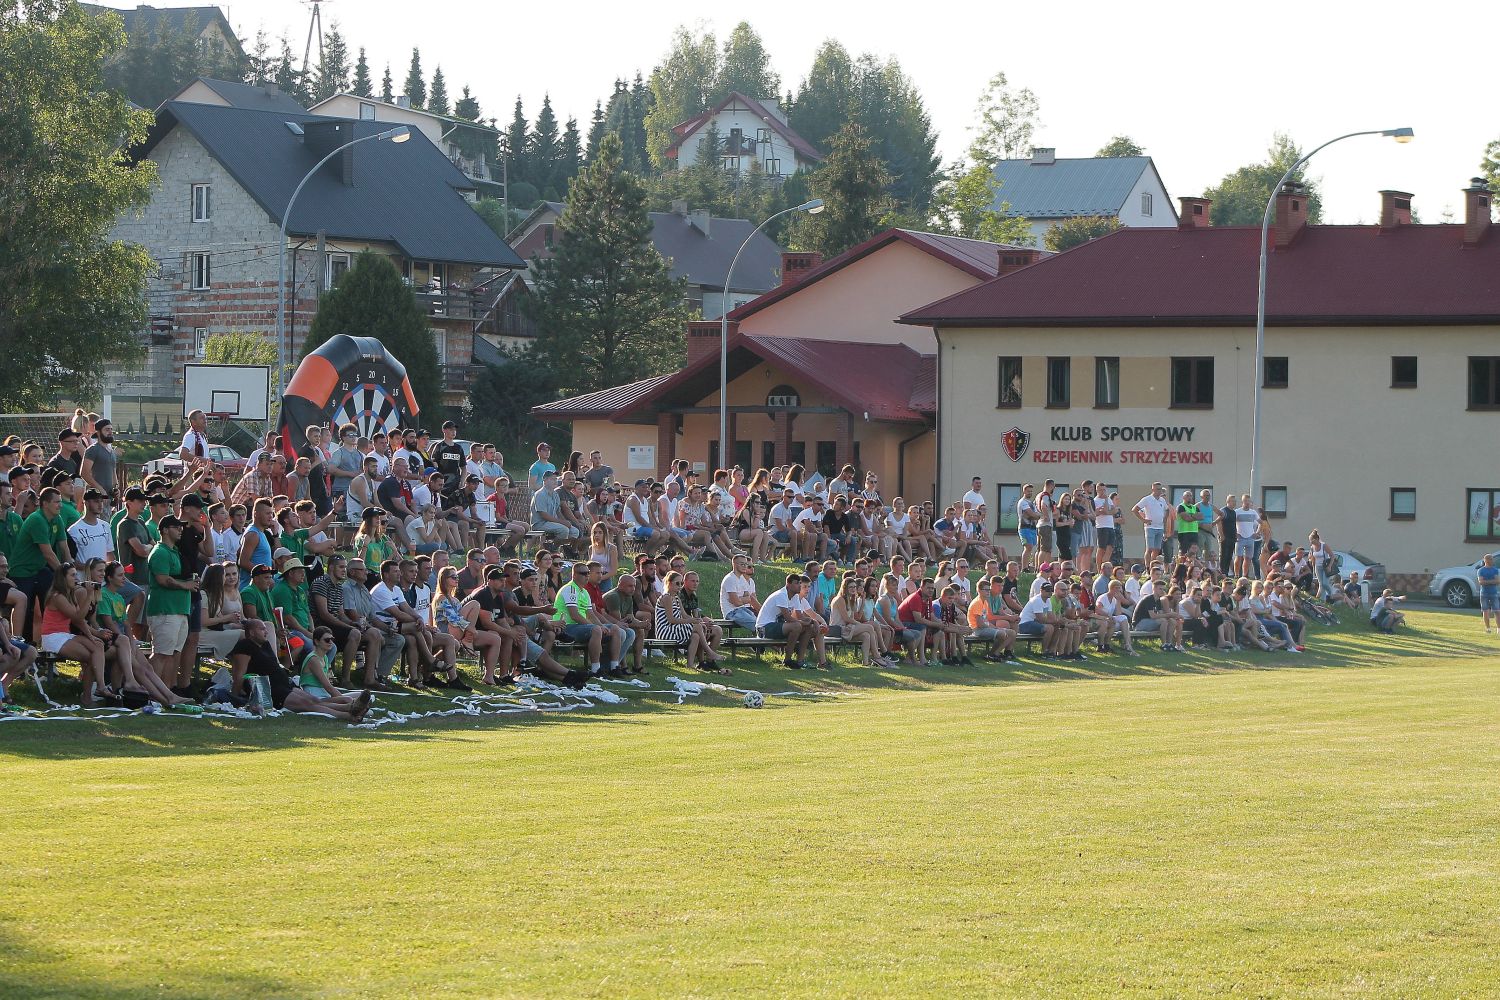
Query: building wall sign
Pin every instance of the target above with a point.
(1015, 441)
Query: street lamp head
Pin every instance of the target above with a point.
(398, 134)
(1402, 135)
(812, 207)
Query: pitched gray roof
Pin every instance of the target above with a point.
(243, 95)
(406, 193)
(1096, 185)
(144, 18)
(704, 260)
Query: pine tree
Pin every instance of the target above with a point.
(467, 107)
(416, 89)
(606, 307)
(371, 300)
(517, 147)
(544, 152)
(387, 87)
(852, 183)
(642, 102)
(291, 80)
(333, 65)
(437, 94)
(362, 86)
(571, 158)
(596, 132)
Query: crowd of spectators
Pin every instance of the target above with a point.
(323, 576)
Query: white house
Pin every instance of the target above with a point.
(1045, 190)
(750, 131)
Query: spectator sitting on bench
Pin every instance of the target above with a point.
(786, 616)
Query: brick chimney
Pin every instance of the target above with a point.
(1015, 258)
(798, 264)
(703, 337)
(1291, 215)
(1395, 210)
(1477, 201)
(1194, 213)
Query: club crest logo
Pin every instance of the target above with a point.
(1015, 442)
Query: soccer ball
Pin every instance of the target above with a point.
(754, 699)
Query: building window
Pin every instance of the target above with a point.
(767, 454)
(773, 166)
(736, 141)
(1146, 203)
(1403, 373)
(366, 111)
(338, 263)
(440, 342)
(1174, 494)
(202, 202)
(828, 461)
(1484, 505)
(1403, 503)
(1276, 373)
(799, 454)
(1059, 382)
(1008, 495)
(742, 457)
(1484, 383)
(1107, 383)
(202, 270)
(547, 234)
(200, 341)
(1193, 383)
(1010, 383)
(1273, 500)
(762, 135)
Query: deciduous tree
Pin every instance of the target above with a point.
(1072, 232)
(71, 299)
(1121, 145)
(966, 205)
(684, 84)
(746, 67)
(606, 306)
(239, 348)
(1008, 120)
(1240, 198)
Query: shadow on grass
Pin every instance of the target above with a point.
(1349, 645)
(36, 971)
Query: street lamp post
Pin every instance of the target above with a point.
(1402, 135)
(811, 208)
(398, 134)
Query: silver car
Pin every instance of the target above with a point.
(1458, 586)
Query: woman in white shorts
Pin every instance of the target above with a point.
(64, 611)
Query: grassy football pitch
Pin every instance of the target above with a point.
(1190, 825)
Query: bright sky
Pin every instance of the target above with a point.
(1201, 86)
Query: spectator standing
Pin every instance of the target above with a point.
(541, 466)
(99, 461)
(169, 600)
(1489, 592)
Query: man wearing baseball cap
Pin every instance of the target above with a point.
(169, 599)
(90, 533)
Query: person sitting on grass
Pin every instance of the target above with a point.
(1252, 632)
(1283, 601)
(108, 625)
(253, 655)
(1383, 613)
(787, 617)
(1264, 613)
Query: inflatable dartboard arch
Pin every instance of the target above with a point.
(352, 380)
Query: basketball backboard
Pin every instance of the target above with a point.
(239, 392)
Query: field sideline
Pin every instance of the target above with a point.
(1192, 825)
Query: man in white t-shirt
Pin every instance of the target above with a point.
(1246, 529)
(391, 607)
(781, 517)
(1026, 522)
(1037, 619)
(1114, 612)
(808, 526)
(1104, 522)
(737, 600)
(90, 533)
(974, 499)
(195, 441)
(1152, 511)
(787, 616)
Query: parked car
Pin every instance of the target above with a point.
(233, 462)
(1354, 562)
(1458, 586)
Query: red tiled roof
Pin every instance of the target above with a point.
(684, 130)
(924, 386)
(603, 403)
(879, 379)
(977, 257)
(1330, 275)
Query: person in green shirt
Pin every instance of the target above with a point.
(169, 600)
(157, 507)
(10, 521)
(255, 598)
(1188, 519)
(41, 549)
(290, 597)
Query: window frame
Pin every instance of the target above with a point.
(1286, 373)
(207, 214)
(330, 258)
(1067, 383)
(200, 341)
(1100, 364)
(1398, 515)
(1493, 363)
(1193, 382)
(1007, 524)
(200, 263)
(1147, 203)
(1401, 383)
(1265, 493)
(1491, 494)
(1002, 382)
